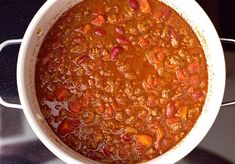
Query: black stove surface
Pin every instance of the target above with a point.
(18, 143)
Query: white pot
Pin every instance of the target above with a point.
(33, 38)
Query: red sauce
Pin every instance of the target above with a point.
(121, 81)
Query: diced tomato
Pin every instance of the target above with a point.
(98, 21)
(160, 132)
(170, 109)
(195, 79)
(172, 120)
(143, 42)
(144, 139)
(144, 6)
(194, 68)
(181, 74)
(61, 93)
(131, 130)
(75, 106)
(86, 28)
(65, 127)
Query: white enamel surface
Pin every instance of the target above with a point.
(48, 14)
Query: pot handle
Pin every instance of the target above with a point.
(18, 41)
(3, 45)
(229, 41)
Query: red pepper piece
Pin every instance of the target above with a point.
(74, 106)
(65, 127)
(61, 93)
(98, 21)
(82, 59)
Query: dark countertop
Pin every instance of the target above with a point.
(18, 143)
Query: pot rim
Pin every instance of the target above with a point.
(182, 148)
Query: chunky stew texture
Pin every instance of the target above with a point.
(121, 81)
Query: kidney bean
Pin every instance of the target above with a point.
(121, 39)
(100, 32)
(106, 151)
(119, 30)
(126, 138)
(173, 34)
(197, 94)
(115, 52)
(82, 59)
(170, 109)
(134, 4)
(79, 39)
